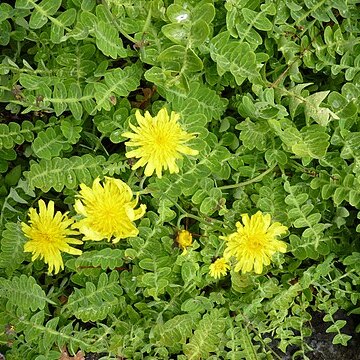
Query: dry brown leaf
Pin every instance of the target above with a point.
(65, 355)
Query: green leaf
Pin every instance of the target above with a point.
(61, 93)
(74, 93)
(118, 82)
(177, 33)
(70, 130)
(199, 32)
(108, 40)
(254, 135)
(5, 31)
(24, 293)
(44, 10)
(238, 58)
(199, 100)
(105, 259)
(204, 12)
(95, 302)
(311, 142)
(188, 271)
(197, 304)
(208, 206)
(12, 247)
(177, 13)
(68, 172)
(342, 339)
(64, 20)
(206, 336)
(14, 133)
(176, 330)
(313, 110)
(48, 143)
(13, 176)
(257, 19)
(178, 58)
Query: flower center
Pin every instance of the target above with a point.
(254, 242)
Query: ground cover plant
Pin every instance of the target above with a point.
(179, 179)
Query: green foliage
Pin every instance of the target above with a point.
(271, 93)
(12, 248)
(206, 337)
(95, 302)
(58, 172)
(24, 293)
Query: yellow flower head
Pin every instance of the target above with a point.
(49, 235)
(219, 268)
(160, 141)
(108, 211)
(184, 239)
(254, 242)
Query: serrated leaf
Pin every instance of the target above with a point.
(24, 293)
(95, 302)
(69, 172)
(105, 259)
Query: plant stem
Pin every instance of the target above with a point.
(111, 18)
(248, 182)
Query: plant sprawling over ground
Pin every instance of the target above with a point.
(179, 179)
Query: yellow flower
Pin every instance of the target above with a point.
(254, 242)
(184, 239)
(219, 268)
(49, 235)
(108, 211)
(160, 141)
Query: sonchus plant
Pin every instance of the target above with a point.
(121, 121)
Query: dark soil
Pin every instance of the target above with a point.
(321, 341)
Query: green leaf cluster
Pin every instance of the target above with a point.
(271, 94)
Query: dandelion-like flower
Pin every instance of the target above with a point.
(219, 268)
(254, 242)
(160, 141)
(108, 211)
(49, 235)
(184, 240)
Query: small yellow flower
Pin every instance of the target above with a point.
(254, 242)
(219, 268)
(49, 235)
(184, 239)
(160, 141)
(108, 211)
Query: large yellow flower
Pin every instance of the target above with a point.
(49, 235)
(219, 268)
(160, 141)
(254, 242)
(108, 211)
